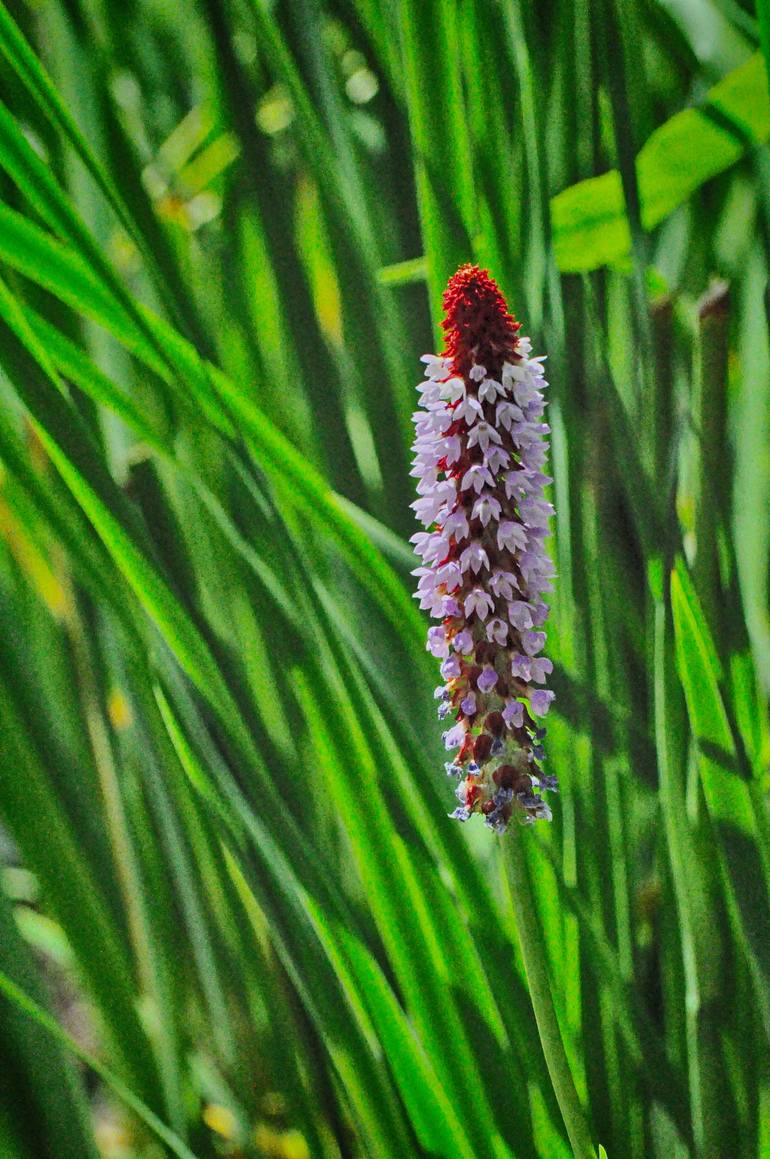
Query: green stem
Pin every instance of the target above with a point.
(536, 966)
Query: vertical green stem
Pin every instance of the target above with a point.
(536, 966)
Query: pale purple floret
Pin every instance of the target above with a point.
(437, 644)
(496, 459)
(540, 668)
(513, 713)
(478, 476)
(487, 680)
(480, 602)
(456, 524)
(503, 584)
(451, 575)
(532, 642)
(511, 536)
(520, 614)
(497, 631)
(463, 642)
(489, 389)
(470, 409)
(540, 700)
(454, 738)
(474, 557)
(485, 508)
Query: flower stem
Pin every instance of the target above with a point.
(536, 966)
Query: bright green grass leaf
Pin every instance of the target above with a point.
(728, 796)
(372, 326)
(445, 188)
(763, 13)
(68, 445)
(225, 405)
(404, 273)
(311, 900)
(435, 1118)
(419, 968)
(590, 228)
(288, 882)
(33, 76)
(588, 220)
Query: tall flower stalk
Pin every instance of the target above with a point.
(479, 454)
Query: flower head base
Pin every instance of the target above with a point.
(479, 451)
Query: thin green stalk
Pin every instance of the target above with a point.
(536, 966)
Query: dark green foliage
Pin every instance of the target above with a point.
(235, 919)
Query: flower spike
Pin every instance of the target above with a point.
(479, 452)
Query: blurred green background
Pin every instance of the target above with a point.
(234, 918)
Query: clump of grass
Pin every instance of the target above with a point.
(223, 240)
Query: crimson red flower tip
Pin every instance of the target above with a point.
(477, 323)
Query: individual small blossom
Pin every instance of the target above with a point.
(428, 508)
(485, 508)
(477, 476)
(450, 575)
(490, 389)
(469, 410)
(497, 630)
(454, 737)
(540, 700)
(483, 434)
(450, 449)
(502, 583)
(463, 642)
(510, 535)
(535, 512)
(539, 668)
(520, 614)
(507, 414)
(496, 459)
(437, 643)
(474, 557)
(532, 642)
(480, 602)
(479, 453)
(435, 367)
(513, 713)
(456, 524)
(452, 390)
